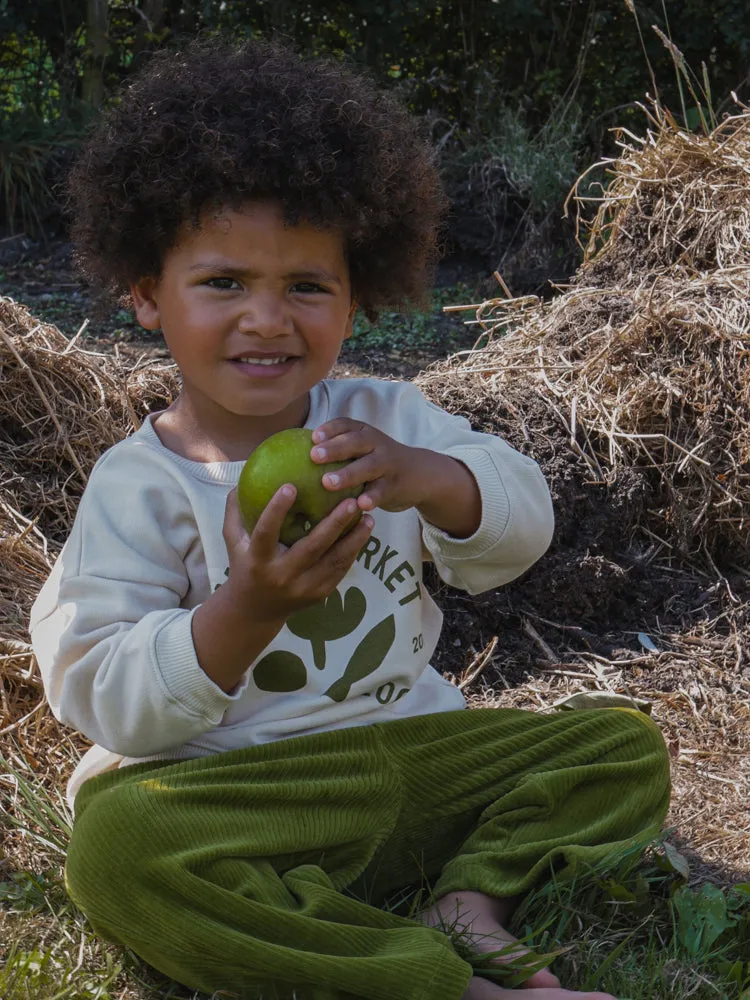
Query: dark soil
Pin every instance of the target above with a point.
(602, 586)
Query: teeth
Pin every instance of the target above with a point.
(262, 361)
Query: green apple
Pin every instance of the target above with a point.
(285, 458)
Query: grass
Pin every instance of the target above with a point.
(634, 926)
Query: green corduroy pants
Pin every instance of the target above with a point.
(260, 870)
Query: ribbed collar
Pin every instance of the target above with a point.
(226, 472)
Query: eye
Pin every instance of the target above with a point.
(309, 288)
(223, 284)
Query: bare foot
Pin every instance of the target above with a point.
(483, 989)
(474, 917)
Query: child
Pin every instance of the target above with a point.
(274, 753)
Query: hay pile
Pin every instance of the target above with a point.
(644, 358)
(60, 408)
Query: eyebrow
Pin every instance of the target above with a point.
(223, 267)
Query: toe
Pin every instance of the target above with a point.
(543, 979)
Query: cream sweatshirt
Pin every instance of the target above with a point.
(111, 627)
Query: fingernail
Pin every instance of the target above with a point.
(332, 479)
(369, 522)
(288, 491)
(318, 436)
(319, 453)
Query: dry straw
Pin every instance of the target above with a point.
(644, 357)
(60, 408)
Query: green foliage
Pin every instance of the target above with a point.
(640, 932)
(30, 152)
(516, 93)
(44, 975)
(420, 329)
(24, 891)
(704, 916)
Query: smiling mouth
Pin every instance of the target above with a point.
(256, 366)
(249, 359)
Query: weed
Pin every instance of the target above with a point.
(640, 932)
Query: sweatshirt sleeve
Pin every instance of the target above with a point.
(517, 518)
(113, 643)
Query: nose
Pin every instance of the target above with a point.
(265, 314)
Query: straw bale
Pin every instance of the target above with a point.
(644, 357)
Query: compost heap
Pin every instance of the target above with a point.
(629, 388)
(632, 386)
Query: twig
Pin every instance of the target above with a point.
(499, 280)
(25, 718)
(531, 631)
(72, 341)
(479, 664)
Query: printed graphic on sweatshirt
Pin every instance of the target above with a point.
(282, 672)
(366, 658)
(329, 620)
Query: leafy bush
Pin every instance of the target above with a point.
(507, 187)
(32, 156)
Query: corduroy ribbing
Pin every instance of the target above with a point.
(247, 869)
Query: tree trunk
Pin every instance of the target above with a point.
(97, 45)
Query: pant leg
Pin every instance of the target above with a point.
(226, 872)
(495, 799)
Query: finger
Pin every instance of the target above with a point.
(233, 529)
(265, 533)
(356, 473)
(308, 551)
(333, 566)
(332, 428)
(371, 497)
(345, 447)
(380, 494)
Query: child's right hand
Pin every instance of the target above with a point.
(273, 581)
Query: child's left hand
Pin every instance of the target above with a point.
(395, 476)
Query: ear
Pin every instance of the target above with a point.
(145, 303)
(350, 320)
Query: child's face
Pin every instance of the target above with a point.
(254, 314)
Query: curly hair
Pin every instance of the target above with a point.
(221, 123)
